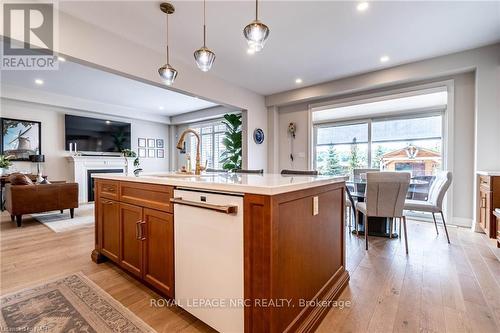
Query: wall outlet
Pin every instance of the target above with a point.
(315, 206)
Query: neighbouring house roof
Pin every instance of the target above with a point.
(421, 153)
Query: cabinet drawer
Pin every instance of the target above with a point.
(147, 195)
(108, 189)
(485, 182)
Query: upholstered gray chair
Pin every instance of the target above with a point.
(434, 203)
(385, 197)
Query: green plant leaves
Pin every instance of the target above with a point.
(231, 157)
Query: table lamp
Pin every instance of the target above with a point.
(38, 159)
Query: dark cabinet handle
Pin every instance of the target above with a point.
(138, 230)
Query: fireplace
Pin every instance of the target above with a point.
(90, 180)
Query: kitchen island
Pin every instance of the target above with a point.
(252, 253)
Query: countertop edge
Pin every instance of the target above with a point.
(231, 188)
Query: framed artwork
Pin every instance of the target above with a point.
(142, 152)
(159, 143)
(21, 138)
(141, 142)
(160, 153)
(151, 153)
(151, 143)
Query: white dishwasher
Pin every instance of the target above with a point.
(208, 238)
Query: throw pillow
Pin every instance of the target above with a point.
(20, 179)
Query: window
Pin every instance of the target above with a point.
(341, 148)
(211, 144)
(410, 143)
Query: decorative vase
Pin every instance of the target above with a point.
(129, 166)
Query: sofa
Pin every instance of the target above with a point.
(22, 197)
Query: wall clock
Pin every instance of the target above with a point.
(258, 136)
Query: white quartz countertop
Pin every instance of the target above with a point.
(267, 184)
(489, 172)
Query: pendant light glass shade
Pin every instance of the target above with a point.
(256, 32)
(167, 72)
(204, 57)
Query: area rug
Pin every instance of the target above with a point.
(57, 222)
(69, 304)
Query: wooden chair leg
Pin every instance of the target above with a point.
(62, 211)
(12, 218)
(435, 223)
(445, 229)
(72, 212)
(19, 220)
(366, 231)
(391, 221)
(406, 234)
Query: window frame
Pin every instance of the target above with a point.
(197, 127)
(370, 120)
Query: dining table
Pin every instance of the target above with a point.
(378, 226)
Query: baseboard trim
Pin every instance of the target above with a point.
(311, 317)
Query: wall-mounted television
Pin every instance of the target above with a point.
(96, 135)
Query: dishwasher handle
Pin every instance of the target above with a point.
(226, 209)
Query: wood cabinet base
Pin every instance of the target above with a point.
(294, 249)
(97, 257)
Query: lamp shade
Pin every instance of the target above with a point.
(37, 158)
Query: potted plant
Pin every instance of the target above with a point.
(5, 163)
(130, 155)
(231, 157)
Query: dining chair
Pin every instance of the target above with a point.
(256, 171)
(385, 197)
(434, 203)
(299, 172)
(356, 173)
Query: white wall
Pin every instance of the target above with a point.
(84, 41)
(52, 118)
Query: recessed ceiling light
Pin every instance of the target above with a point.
(384, 58)
(298, 81)
(39, 81)
(362, 6)
(61, 59)
(161, 107)
(108, 122)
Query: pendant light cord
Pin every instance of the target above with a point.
(256, 10)
(204, 26)
(167, 42)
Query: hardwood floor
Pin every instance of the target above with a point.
(436, 288)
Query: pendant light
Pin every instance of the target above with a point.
(167, 72)
(256, 32)
(203, 56)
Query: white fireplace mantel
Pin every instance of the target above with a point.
(80, 165)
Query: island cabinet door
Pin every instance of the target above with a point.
(131, 238)
(158, 234)
(108, 222)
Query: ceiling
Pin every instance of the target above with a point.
(82, 83)
(316, 41)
